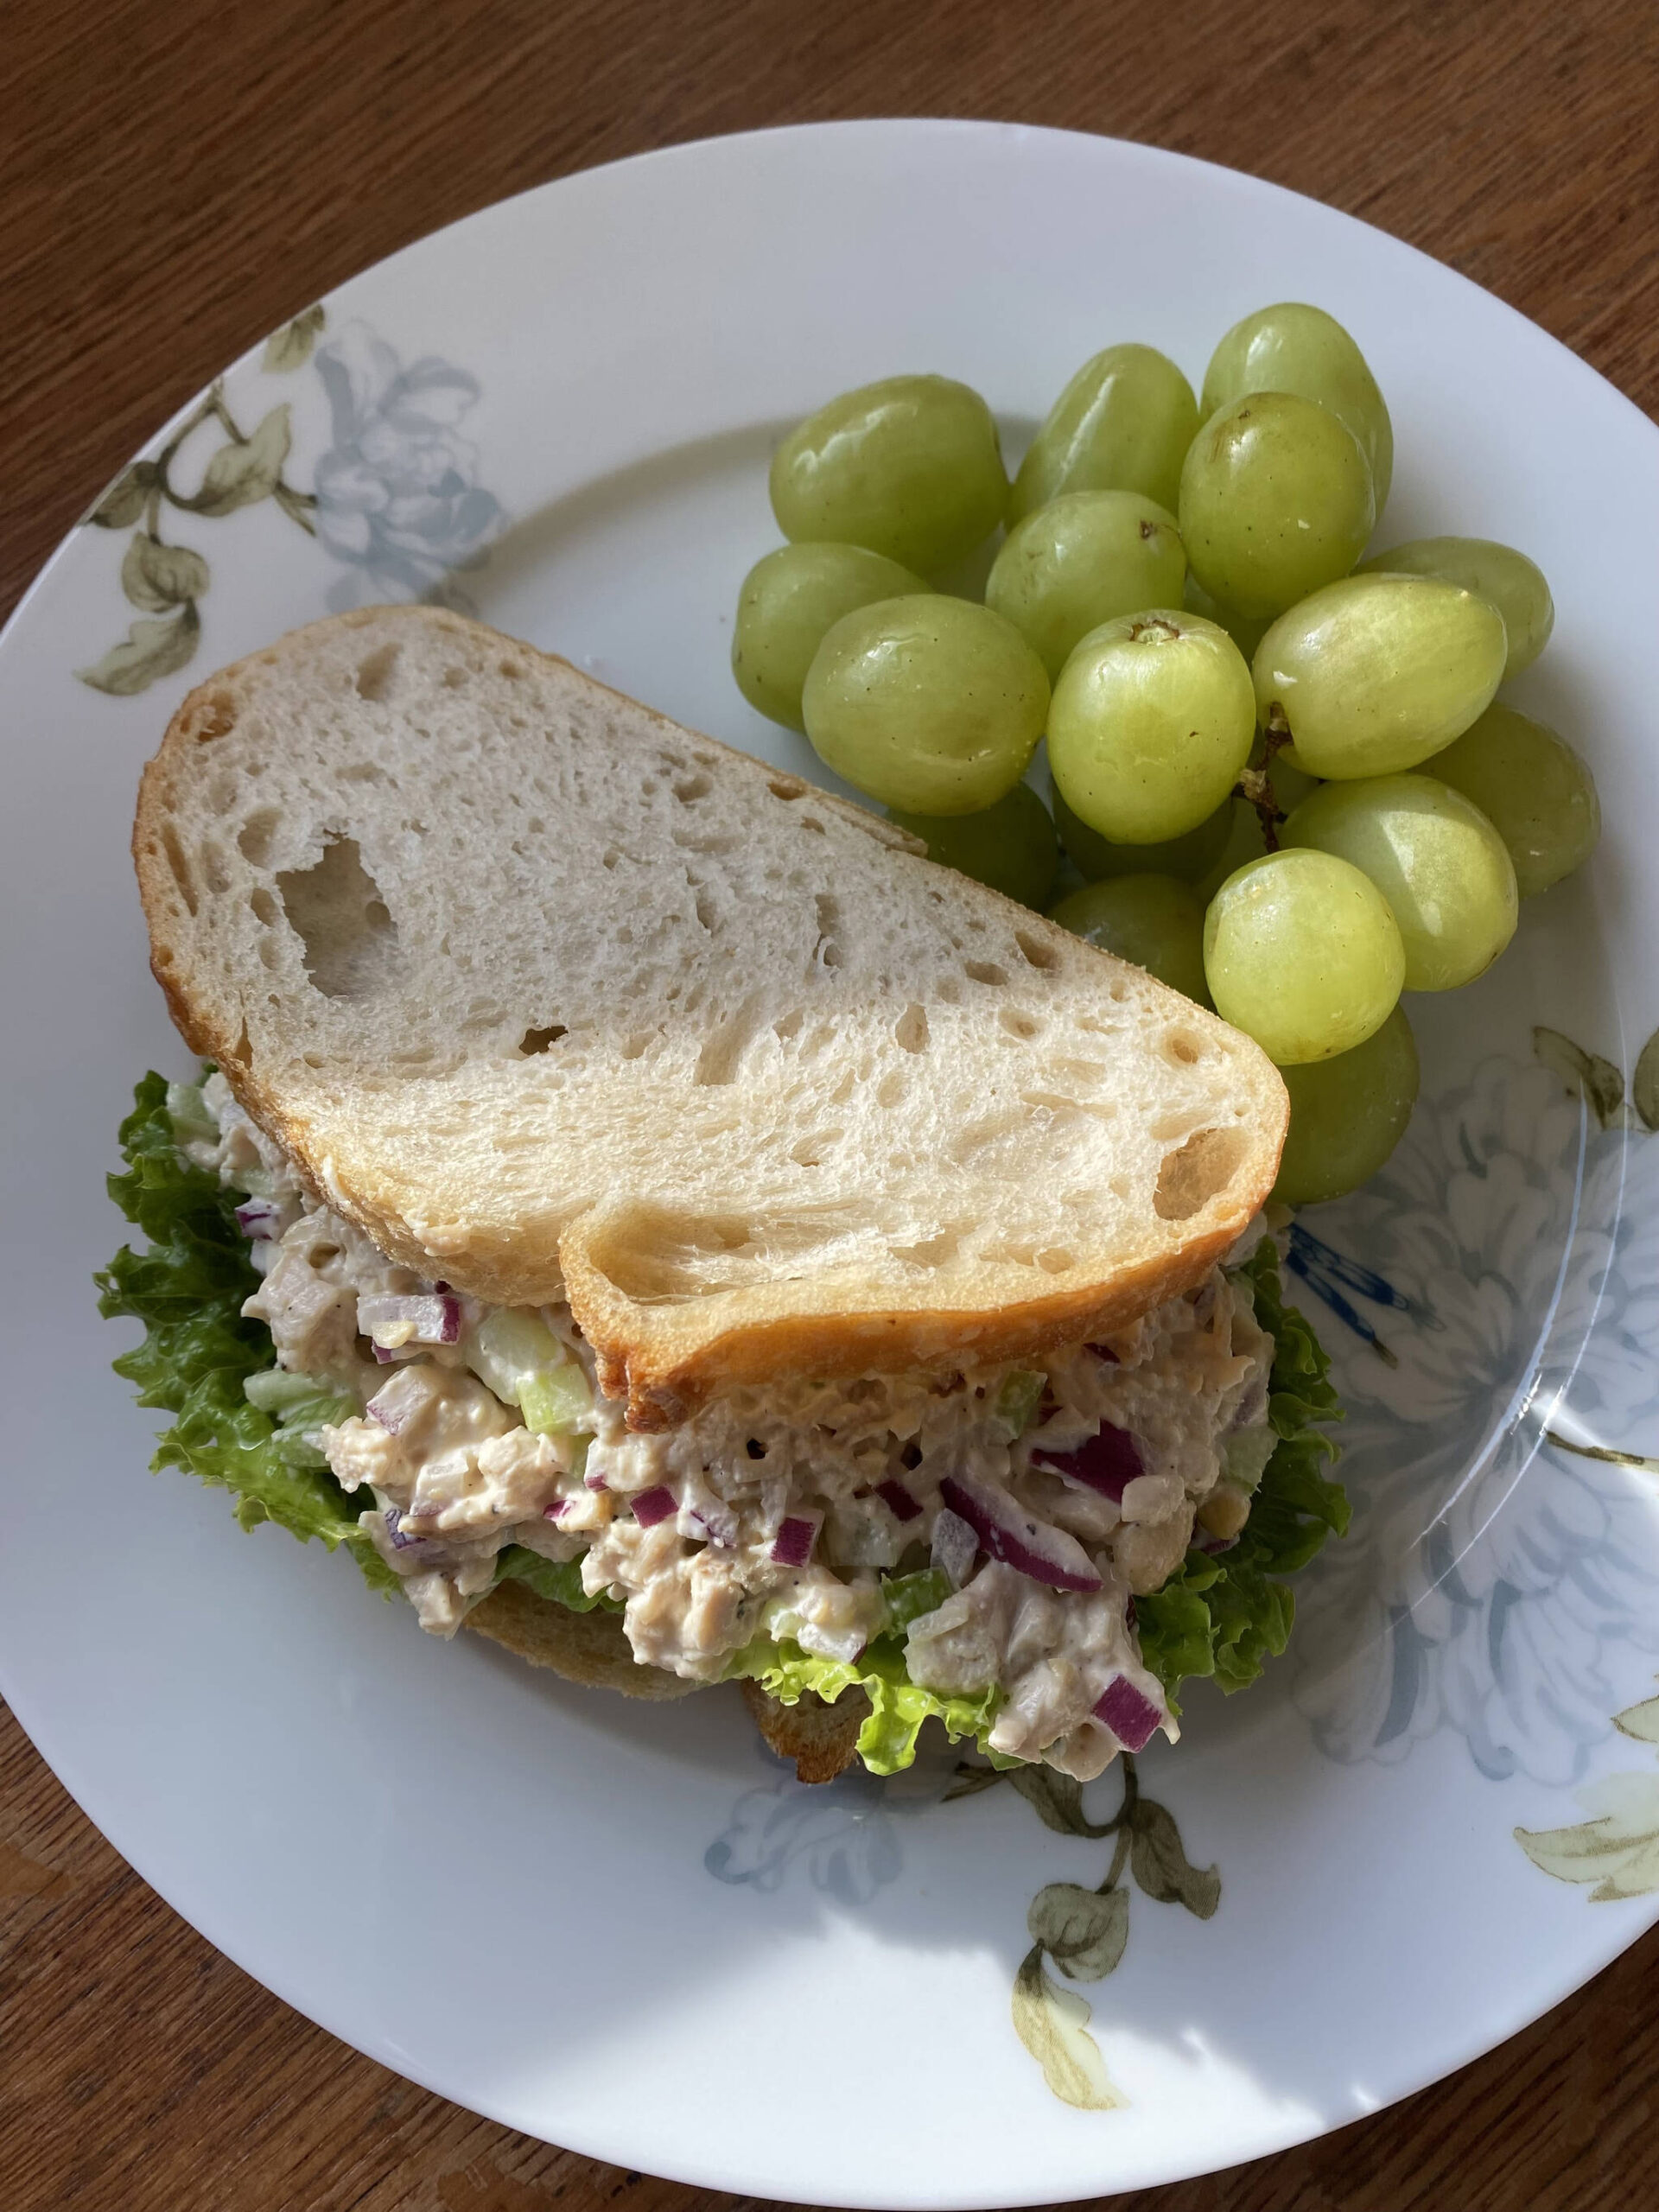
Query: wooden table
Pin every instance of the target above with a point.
(176, 178)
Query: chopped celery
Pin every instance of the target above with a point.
(302, 1404)
(507, 1345)
(1019, 1399)
(273, 1389)
(556, 1399)
(188, 1111)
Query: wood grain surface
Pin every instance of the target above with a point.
(177, 178)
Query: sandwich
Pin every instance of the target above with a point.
(652, 1216)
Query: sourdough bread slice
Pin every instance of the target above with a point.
(591, 1648)
(556, 999)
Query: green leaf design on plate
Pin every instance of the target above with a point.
(1057, 1800)
(247, 470)
(156, 577)
(1053, 2024)
(1618, 1849)
(290, 346)
(1641, 1721)
(1161, 1865)
(298, 506)
(1644, 1083)
(970, 1780)
(1083, 1931)
(151, 651)
(1596, 1080)
(122, 504)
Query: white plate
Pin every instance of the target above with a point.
(623, 1930)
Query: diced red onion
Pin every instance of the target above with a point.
(257, 1219)
(398, 1396)
(595, 1482)
(383, 1357)
(709, 1516)
(895, 1496)
(1204, 1542)
(1132, 1717)
(1108, 1463)
(1009, 1532)
(558, 1510)
(955, 1547)
(797, 1534)
(432, 1320)
(654, 1505)
(402, 1543)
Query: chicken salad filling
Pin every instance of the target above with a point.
(995, 1525)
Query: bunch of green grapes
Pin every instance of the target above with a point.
(1282, 780)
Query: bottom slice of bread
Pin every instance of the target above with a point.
(592, 1648)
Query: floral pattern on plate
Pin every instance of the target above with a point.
(1501, 1563)
(844, 1834)
(397, 497)
(1083, 1931)
(1618, 1847)
(846, 1837)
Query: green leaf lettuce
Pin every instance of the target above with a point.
(1224, 1614)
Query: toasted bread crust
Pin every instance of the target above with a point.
(821, 1740)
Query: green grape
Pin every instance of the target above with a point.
(788, 600)
(1514, 585)
(1187, 857)
(1347, 1115)
(1011, 846)
(1435, 858)
(1151, 919)
(931, 704)
(1152, 721)
(1246, 631)
(1291, 347)
(1533, 788)
(1123, 425)
(1276, 500)
(1077, 562)
(1302, 954)
(1375, 673)
(910, 467)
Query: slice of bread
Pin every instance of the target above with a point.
(820, 1740)
(556, 999)
(591, 1648)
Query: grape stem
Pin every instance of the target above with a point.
(1254, 784)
